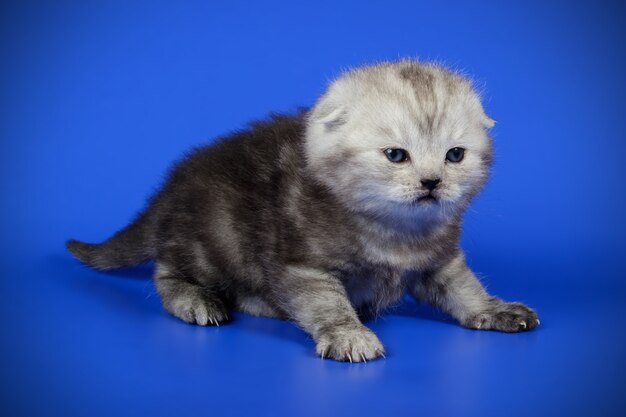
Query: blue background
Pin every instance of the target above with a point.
(97, 99)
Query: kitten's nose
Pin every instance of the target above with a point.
(431, 184)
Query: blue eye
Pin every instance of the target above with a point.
(455, 155)
(396, 154)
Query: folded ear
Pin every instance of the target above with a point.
(330, 117)
(488, 122)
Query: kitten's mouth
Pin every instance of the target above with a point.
(427, 199)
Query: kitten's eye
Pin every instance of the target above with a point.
(455, 154)
(396, 154)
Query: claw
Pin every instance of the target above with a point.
(381, 353)
(538, 322)
(211, 320)
(363, 357)
(523, 324)
(349, 357)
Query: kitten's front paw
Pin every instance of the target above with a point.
(354, 344)
(505, 317)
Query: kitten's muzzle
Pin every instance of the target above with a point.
(430, 184)
(427, 198)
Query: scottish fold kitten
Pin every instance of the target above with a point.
(327, 213)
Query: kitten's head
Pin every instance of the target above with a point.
(401, 140)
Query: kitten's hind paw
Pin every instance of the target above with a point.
(353, 344)
(197, 308)
(504, 317)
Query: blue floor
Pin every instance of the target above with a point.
(97, 100)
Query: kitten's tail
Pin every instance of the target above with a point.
(130, 246)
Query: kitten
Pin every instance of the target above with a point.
(328, 213)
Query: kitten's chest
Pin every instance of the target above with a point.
(377, 275)
(372, 286)
(398, 254)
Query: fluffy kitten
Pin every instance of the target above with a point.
(324, 214)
